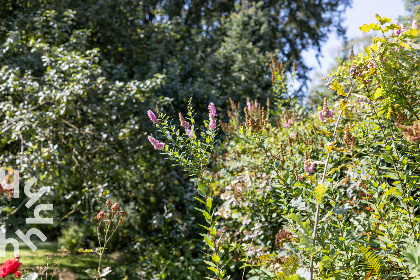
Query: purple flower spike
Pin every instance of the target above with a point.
(152, 116)
(156, 144)
(414, 24)
(212, 109)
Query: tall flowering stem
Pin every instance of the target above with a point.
(318, 206)
(191, 149)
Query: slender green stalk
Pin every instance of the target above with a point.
(318, 206)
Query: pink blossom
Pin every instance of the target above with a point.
(414, 24)
(288, 122)
(152, 116)
(309, 167)
(321, 116)
(398, 31)
(212, 109)
(402, 28)
(249, 105)
(190, 133)
(325, 114)
(212, 124)
(156, 144)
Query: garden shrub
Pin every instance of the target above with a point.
(328, 192)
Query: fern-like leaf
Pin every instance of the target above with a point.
(374, 262)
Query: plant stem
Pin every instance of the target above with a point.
(318, 206)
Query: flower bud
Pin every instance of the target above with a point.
(414, 24)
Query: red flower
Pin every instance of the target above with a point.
(10, 267)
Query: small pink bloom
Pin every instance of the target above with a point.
(156, 144)
(402, 28)
(309, 167)
(288, 122)
(190, 133)
(414, 24)
(249, 105)
(398, 31)
(212, 109)
(152, 116)
(330, 114)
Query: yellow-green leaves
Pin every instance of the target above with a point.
(382, 20)
(412, 33)
(372, 26)
(338, 88)
(378, 93)
(320, 190)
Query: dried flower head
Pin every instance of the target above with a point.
(282, 237)
(410, 132)
(100, 215)
(348, 139)
(115, 207)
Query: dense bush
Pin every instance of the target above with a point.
(333, 189)
(330, 193)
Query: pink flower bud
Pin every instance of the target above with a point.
(402, 28)
(414, 24)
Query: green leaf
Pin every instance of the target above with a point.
(213, 269)
(377, 94)
(319, 193)
(209, 242)
(209, 203)
(216, 258)
(337, 87)
(367, 27)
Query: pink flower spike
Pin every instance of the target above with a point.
(156, 144)
(402, 28)
(212, 109)
(321, 116)
(414, 24)
(212, 124)
(152, 116)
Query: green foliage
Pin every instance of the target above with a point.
(339, 191)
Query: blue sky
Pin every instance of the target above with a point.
(362, 11)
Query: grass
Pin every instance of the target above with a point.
(76, 262)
